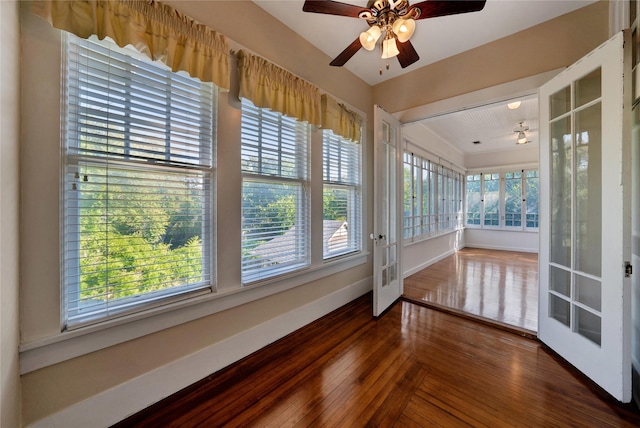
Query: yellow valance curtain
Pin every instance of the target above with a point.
(342, 121)
(269, 86)
(156, 30)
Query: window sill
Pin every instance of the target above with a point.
(71, 344)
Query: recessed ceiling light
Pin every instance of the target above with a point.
(514, 105)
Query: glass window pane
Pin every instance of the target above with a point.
(531, 186)
(491, 199)
(560, 309)
(408, 197)
(426, 198)
(473, 199)
(560, 102)
(588, 192)
(588, 325)
(513, 199)
(560, 215)
(588, 88)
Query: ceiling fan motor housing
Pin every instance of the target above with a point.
(383, 13)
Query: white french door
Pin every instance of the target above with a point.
(387, 228)
(585, 158)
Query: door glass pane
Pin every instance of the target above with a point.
(588, 192)
(589, 325)
(560, 187)
(391, 231)
(393, 273)
(384, 184)
(559, 309)
(589, 292)
(588, 88)
(560, 281)
(560, 102)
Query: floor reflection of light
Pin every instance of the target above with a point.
(475, 281)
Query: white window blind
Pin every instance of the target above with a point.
(137, 184)
(275, 200)
(342, 196)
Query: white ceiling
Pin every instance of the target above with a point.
(492, 125)
(434, 40)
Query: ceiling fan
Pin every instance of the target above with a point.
(521, 131)
(393, 20)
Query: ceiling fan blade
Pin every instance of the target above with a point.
(407, 55)
(346, 54)
(435, 8)
(332, 8)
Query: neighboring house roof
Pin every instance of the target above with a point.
(283, 247)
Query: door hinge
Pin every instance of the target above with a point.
(628, 269)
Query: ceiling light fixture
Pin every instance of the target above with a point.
(393, 18)
(513, 105)
(522, 137)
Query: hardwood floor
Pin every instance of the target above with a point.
(501, 286)
(413, 367)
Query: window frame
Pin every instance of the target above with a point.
(352, 185)
(441, 214)
(268, 122)
(502, 197)
(74, 157)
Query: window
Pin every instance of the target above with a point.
(275, 194)
(341, 196)
(513, 193)
(474, 199)
(513, 199)
(491, 198)
(137, 184)
(432, 198)
(532, 179)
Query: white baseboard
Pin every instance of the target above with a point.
(110, 406)
(502, 248)
(428, 263)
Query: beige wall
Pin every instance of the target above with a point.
(550, 45)
(9, 209)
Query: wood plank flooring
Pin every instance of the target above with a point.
(413, 367)
(500, 286)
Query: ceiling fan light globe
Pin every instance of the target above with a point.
(404, 29)
(522, 138)
(389, 48)
(369, 38)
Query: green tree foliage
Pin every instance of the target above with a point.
(135, 237)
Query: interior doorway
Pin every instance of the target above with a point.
(490, 271)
